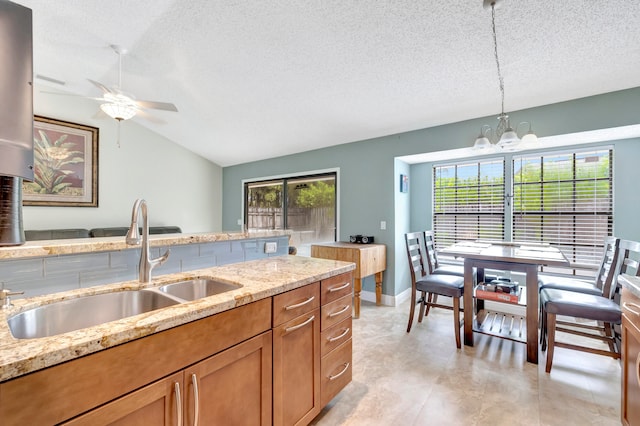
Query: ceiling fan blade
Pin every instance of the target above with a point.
(100, 86)
(165, 106)
(73, 94)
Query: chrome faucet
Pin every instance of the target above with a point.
(133, 239)
(5, 299)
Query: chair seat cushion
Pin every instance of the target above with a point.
(565, 283)
(450, 270)
(446, 285)
(580, 305)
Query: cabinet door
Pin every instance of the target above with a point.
(232, 387)
(630, 374)
(296, 370)
(154, 405)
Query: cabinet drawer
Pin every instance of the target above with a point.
(336, 372)
(294, 303)
(335, 312)
(630, 305)
(335, 287)
(334, 336)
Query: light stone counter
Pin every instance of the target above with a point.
(88, 245)
(259, 279)
(630, 282)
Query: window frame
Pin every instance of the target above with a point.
(509, 217)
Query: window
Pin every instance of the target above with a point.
(468, 201)
(561, 198)
(564, 199)
(306, 205)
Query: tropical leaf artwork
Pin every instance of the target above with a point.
(50, 164)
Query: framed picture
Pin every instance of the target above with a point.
(404, 183)
(65, 161)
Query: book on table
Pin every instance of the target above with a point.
(490, 291)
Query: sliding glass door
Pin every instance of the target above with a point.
(305, 205)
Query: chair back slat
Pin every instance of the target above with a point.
(414, 242)
(630, 257)
(626, 262)
(430, 251)
(606, 274)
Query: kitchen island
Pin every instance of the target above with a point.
(128, 355)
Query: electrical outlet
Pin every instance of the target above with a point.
(383, 225)
(239, 221)
(270, 247)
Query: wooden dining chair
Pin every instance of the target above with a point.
(433, 265)
(601, 280)
(603, 309)
(431, 285)
(584, 285)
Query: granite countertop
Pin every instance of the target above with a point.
(630, 282)
(259, 279)
(87, 245)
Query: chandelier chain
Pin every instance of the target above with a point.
(495, 52)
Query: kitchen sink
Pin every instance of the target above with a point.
(197, 288)
(82, 312)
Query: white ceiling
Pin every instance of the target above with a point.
(257, 79)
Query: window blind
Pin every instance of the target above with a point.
(564, 199)
(468, 201)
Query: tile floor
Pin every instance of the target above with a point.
(421, 378)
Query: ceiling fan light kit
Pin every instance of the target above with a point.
(119, 111)
(505, 137)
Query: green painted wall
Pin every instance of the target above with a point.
(369, 173)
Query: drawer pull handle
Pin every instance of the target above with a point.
(333, 339)
(340, 312)
(628, 305)
(295, 327)
(638, 368)
(342, 287)
(176, 391)
(196, 398)
(297, 305)
(344, 370)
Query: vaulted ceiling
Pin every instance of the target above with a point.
(260, 79)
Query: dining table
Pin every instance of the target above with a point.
(522, 257)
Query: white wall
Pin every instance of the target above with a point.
(181, 188)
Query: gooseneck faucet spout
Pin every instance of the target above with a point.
(133, 238)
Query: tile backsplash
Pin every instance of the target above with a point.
(50, 274)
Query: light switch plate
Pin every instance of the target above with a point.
(270, 247)
(383, 225)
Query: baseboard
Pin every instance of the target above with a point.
(386, 300)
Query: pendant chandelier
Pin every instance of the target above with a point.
(505, 136)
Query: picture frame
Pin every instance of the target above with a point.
(65, 165)
(404, 183)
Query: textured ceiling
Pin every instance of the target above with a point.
(263, 78)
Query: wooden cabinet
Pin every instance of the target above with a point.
(209, 390)
(370, 259)
(64, 391)
(296, 356)
(277, 360)
(312, 353)
(155, 404)
(630, 410)
(234, 385)
(335, 344)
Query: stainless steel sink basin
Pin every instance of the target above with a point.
(82, 312)
(197, 288)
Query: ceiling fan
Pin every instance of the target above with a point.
(120, 105)
(116, 103)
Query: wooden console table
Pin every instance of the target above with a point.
(370, 259)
